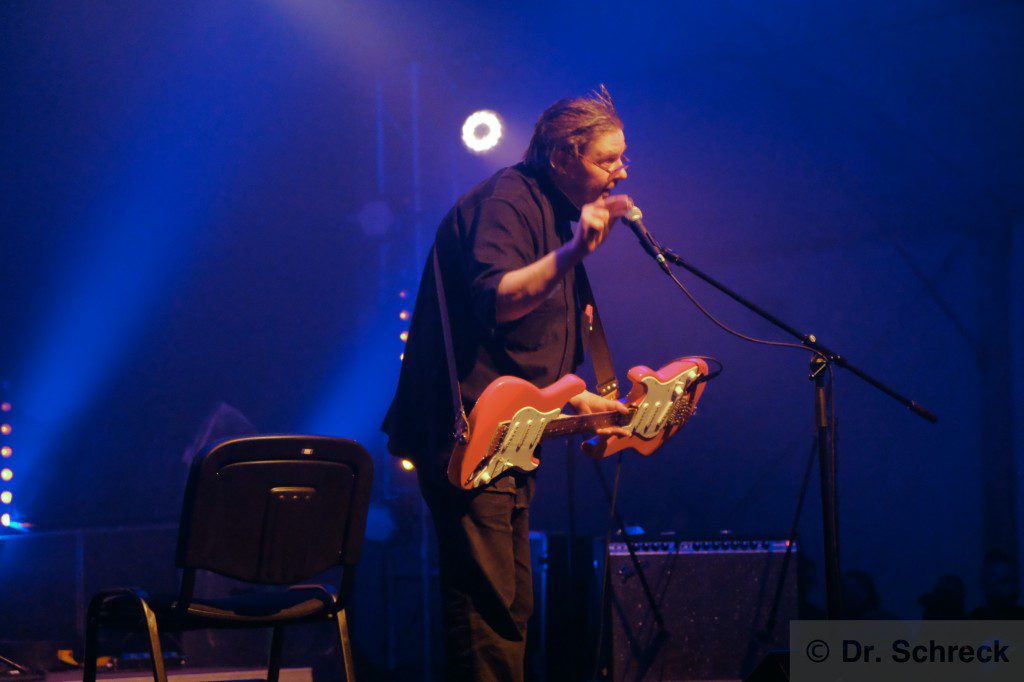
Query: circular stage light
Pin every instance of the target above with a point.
(482, 131)
(5, 520)
(6, 497)
(6, 474)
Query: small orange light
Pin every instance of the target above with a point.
(5, 429)
(404, 315)
(407, 465)
(6, 451)
(404, 336)
(6, 407)
(6, 474)
(401, 357)
(6, 497)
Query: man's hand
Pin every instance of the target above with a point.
(596, 220)
(588, 403)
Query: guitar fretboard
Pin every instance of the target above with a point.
(585, 423)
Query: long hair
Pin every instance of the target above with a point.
(570, 125)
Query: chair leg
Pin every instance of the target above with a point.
(346, 646)
(156, 654)
(276, 646)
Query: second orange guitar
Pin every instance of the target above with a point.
(512, 416)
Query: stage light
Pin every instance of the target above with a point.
(404, 315)
(5, 407)
(5, 429)
(5, 520)
(404, 336)
(403, 294)
(481, 131)
(6, 474)
(401, 357)
(407, 465)
(6, 451)
(6, 497)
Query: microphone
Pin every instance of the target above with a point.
(634, 219)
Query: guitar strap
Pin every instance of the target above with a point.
(461, 431)
(600, 356)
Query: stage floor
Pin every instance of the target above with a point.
(192, 675)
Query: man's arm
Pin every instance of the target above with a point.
(520, 291)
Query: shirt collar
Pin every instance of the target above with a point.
(564, 209)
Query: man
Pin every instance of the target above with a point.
(510, 257)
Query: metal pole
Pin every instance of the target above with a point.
(428, 668)
(379, 106)
(417, 210)
(994, 298)
(80, 582)
(383, 297)
(417, 197)
(829, 501)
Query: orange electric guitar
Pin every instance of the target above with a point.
(512, 416)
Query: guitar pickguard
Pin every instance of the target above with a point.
(514, 445)
(665, 404)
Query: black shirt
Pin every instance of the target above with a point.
(506, 222)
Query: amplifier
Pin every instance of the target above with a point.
(701, 547)
(716, 598)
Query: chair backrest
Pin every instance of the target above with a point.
(275, 509)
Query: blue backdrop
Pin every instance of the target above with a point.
(180, 228)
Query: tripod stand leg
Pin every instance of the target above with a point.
(829, 508)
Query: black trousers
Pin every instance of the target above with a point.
(486, 582)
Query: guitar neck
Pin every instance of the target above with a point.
(585, 423)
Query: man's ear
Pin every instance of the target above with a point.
(559, 161)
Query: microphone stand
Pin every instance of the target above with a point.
(823, 361)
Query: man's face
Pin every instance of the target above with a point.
(596, 172)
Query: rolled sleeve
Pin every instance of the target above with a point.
(500, 240)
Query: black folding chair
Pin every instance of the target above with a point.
(269, 510)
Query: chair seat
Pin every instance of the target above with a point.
(256, 609)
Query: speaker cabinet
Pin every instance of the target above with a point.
(716, 600)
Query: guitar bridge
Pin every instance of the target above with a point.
(681, 411)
